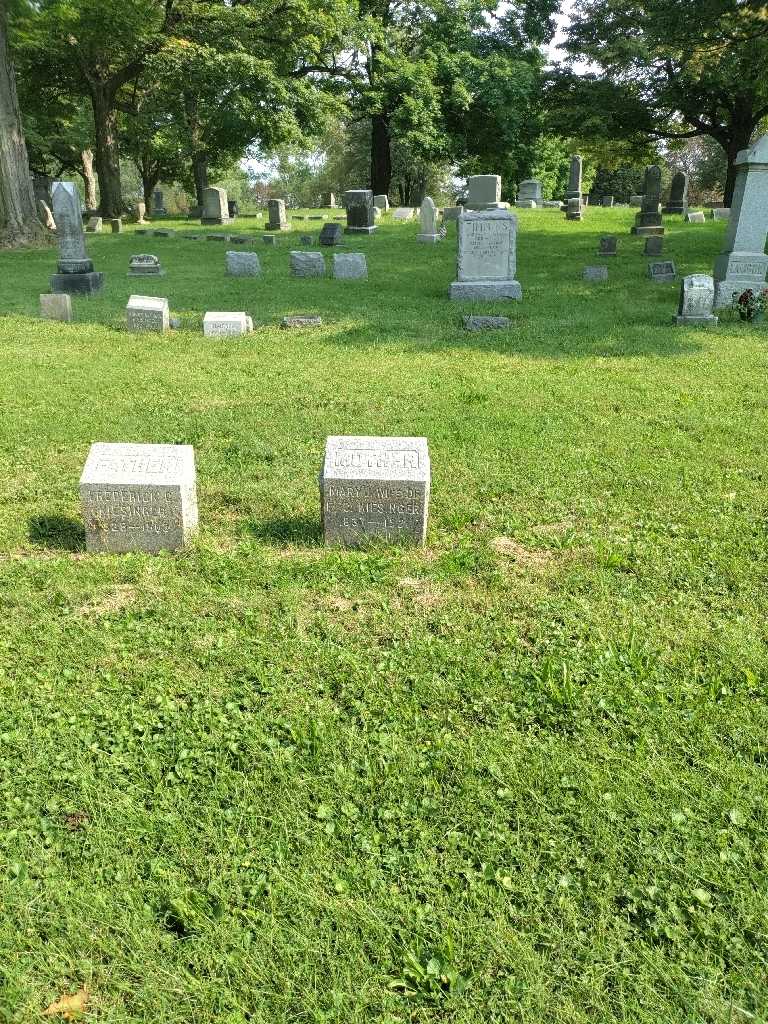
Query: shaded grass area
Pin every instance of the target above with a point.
(517, 776)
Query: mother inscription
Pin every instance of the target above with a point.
(487, 256)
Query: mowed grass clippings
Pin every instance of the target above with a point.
(519, 775)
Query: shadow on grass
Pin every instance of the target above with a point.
(57, 532)
(301, 530)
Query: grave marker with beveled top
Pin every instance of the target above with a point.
(76, 274)
(350, 266)
(94, 225)
(608, 246)
(529, 194)
(695, 217)
(375, 489)
(138, 497)
(215, 206)
(331, 234)
(487, 256)
(697, 298)
(147, 313)
(743, 262)
(595, 274)
(381, 202)
(654, 245)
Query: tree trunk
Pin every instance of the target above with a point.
(149, 180)
(89, 180)
(200, 174)
(107, 152)
(18, 217)
(381, 156)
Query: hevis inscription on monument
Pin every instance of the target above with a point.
(486, 259)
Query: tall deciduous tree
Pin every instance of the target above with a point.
(667, 69)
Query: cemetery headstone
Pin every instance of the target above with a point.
(56, 307)
(243, 264)
(721, 213)
(215, 206)
(484, 192)
(607, 201)
(487, 256)
(331, 234)
(486, 323)
(574, 210)
(360, 216)
(301, 321)
(662, 272)
(139, 497)
(306, 239)
(608, 246)
(46, 217)
(654, 245)
(147, 313)
(144, 264)
(116, 225)
(375, 489)
(269, 239)
(222, 325)
(574, 178)
(140, 212)
(428, 222)
(678, 195)
(451, 213)
(648, 221)
(697, 299)
(75, 270)
(329, 200)
(233, 208)
(307, 264)
(695, 217)
(350, 266)
(94, 225)
(635, 200)
(404, 213)
(529, 194)
(595, 274)
(552, 204)
(158, 202)
(195, 212)
(381, 202)
(743, 262)
(277, 218)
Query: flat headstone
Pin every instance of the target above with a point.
(319, 216)
(147, 313)
(94, 224)
(215, 237)
(307, 264)
(487, 256)
(375, 489)
(662, 272)
(116, 225)
(486, 323)
(695, 217)
(215, 206)
(697, 298)
(595, 273)
(552, 204)
(143, 231)
(301, 321)
(654, 245)
(75, 270)
(145, 264)
(163, 233)
(138, 497)
(404, 213)
(223, 324)
(350, 265)
(56, 307)
(240, 239)
(243, 264)
(331, 234)
(608, 246)
(277, 219)
(428, 232)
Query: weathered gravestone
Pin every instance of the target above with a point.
(307, 264)
(608, 246)
(648, 221)
(574, 179)
(487, 256)
(147, 313)
(331, 234)
(306, 239)
(301, 321)
(56, 307)
(428, 222)
(486, 323)
(144, 264)
(697, 298)
(350, 266)
(158, 202)
(215, 206)
(94, 225)
(381, 202)
(607, 201)
(76, 273)
(116, 225)
(139, 497)
(529, 194)
(404, 213)
(678, 195)
(743, 262)
(662, 272)
(721, 213)
(695, 217)
(233, 208)
(635, 200)
(329, 199)
(452, 213)
(140, 212)
(484, 192)
(242, 264)
(574, 210)
(375, 488)
(654, 245)
(360, 216)
(595, 273)
(224, 324)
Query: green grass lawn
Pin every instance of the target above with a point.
(519, 775)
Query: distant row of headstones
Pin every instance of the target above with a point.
(143, 497)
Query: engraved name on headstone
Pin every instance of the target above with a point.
(224, 324)
(662, 272)
(697, 298)
(743, 262)
(487, 257)
(147, 313)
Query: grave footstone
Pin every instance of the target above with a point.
(529, 194)
(608, 246)
(215, 206)
(277, 218)
(487, 256)
(743, 262)
(360, 216)
(75, 270)
(350, 266)
(662, 272)
(139, 497)
(428, 222)
(301, 321)
(331, 234)
(145, 264)
(484, 192)
(307, 264)
(375, 489)
(94, 225)
(595, 273)
(147, 313)
(486, 323)
(695, 217)
(697, 299)
(649, 221)
(242, 264)
(225, 324)
(56, 307)
(677, 202)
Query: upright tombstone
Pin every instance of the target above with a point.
(116, 225)
(695, 217)
(375, 489)
(225, 324)
(574, 210)
(678, 195)
(607, 201)
(75, 271)
(360, 216)
(743, 262)
(487, 256)
(721, 213)
(56, 307)
(648, 221)
(484, 192)
(307, 264)
(350, 266)
(608, 246)
(277, 218)
(529, 194)
(94, 225)
(636, 200)
(145, 264)
(147, 313)
(233, 209)
(243, 264)
(138, 497)
(654, 245)
(381, 202)
(697, 299)
(574, 179)
(428, 222)
(329, 199)
(331, 234)
(451, 213)
(215, 206)
(158, 202)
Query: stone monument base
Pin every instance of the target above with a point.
(430, 239)
(360, 231)
(695, 321)
(644, 232)
(485, 290)
(77, 284)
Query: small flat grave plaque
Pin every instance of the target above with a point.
(663, 272)
(144, 264)
(301, 321)
(486, 323)
(595, 273)
(222, 325)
